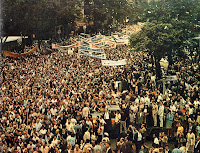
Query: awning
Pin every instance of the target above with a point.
(13, 38)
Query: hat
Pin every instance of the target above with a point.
(106, 134)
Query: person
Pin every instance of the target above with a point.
(176, 149)
(154, 113)
(156, 140)
(132, 117)
(123, 122)
(145, 115)
(190, 141)
(85, 111)
(197, 145)
(117, 122)
(142, 149)
(169, 121)
(87, 145)
(166, 149)
(163, 139)
(107, 120)
(182, 148)
(161, 113)
(100, 132)
(180, 129)
(108, 149)
(130, 134)
(140, 118)
(139, 139)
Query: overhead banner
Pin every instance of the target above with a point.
(101, 56)
(97, 40)
(98, 50)
(55, 46)
(110, 45)
(15, 55)
(99, 44)
(113, 63)
(94, 46)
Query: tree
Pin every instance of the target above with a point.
(39, 17)
(107, 14)
(170, 28)
(160, 39)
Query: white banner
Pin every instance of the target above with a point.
(101, 56)
(98, 50)
(113, 63)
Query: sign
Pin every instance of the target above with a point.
(113, 63)
(100, 56)
(99, 50)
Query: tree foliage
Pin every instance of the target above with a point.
(40, 17)
(169, 27)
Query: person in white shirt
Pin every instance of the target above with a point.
(117, 117)
(134, 107)
(38, 125)
(86, 136)
(85, 111)
(172, 107)
(69, 125)
(182, 101)
(147, 100)
(161, 113)
(53, 110)
(155, 140)
(54, 142)
(196, 102)
(43, 131)
(44, 148)
(107, 120)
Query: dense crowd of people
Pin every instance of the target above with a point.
(48, 101)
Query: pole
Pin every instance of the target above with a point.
(163, 85)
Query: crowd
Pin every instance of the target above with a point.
(48, 101)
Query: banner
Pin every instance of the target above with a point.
(98, 50)
(97, 40)
(94, 46)
(110, 45)
(55, 46)
(101, 56)
(15, 55)
(99, 44)
(113, 63)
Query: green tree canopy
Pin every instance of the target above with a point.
(161, 39)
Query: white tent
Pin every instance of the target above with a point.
(13, 38)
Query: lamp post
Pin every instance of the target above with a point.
(164, 66)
